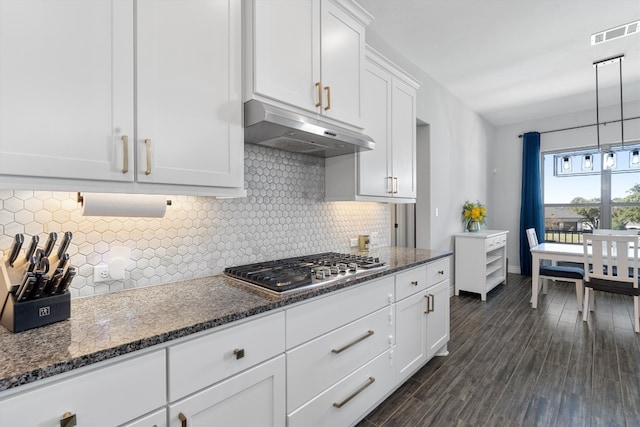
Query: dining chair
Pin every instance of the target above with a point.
(557, 272)
(609, 269)
(612, 232)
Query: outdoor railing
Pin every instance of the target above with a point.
(562, 236)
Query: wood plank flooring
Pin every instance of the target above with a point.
(511, 365)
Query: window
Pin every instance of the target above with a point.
(586, 189)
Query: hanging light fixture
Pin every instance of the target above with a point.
(566, 164)
(634, 160)
(609, 160)
(587, 162)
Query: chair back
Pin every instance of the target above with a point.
(611, 258)
(532, 237)
(611, 232)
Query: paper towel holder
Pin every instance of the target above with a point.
(81, 199)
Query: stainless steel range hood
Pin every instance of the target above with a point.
(275, 127)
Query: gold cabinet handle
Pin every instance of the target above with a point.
(370, 381)
(414, 282)
(68, 420)
(352, 343)
(390, 184)
(239, 352)
(430, 307)
(328, 90)
(147, 142)
(125, 154)
(183, 419)
(319, 88)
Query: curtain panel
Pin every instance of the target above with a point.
(531, 208)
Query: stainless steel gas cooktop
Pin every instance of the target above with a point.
(301, 273)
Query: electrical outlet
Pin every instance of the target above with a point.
(101, 273)
(353, 242)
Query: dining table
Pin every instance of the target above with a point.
(555, 252)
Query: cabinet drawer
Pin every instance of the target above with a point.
(411, 281)
(495, 242)
(367, 385)
(320, 316)
(157, 419)
(107, 396)
(317, 365)
(196, 364)
(438, 271)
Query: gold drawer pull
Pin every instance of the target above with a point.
(328, 89)
(430, 303)
(183, 419)
(147, 142)
(68, 420)
(125, 154)
(370, 381)
(239, 352)
(319, 87)
(354, 342)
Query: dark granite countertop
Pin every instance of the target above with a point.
(106, 326)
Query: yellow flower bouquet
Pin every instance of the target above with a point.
(473, 214)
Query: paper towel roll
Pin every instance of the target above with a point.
(130, 205)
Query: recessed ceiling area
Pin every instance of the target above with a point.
(513, 61)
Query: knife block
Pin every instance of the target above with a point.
(20, 316)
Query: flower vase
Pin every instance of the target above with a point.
(473, 226)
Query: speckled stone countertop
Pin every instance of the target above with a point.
(106, 326)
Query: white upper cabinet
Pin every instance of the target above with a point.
(70, 76)
(189, 109)
(308, 54)
(388, 172)
(66, 89)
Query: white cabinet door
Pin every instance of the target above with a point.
(403, 137)
(286, 46)
(342, 53)
(373, 165)
(66, 89)
(189, 93)
(438, 318)
(255, 397)
(411, 334)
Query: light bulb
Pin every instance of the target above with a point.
(635, 157)
(611, 160)
(588, 163)
(566, 163)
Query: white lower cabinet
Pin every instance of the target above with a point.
(422, 328)
(255, 397)
(348, 400)
(156, 419)
(109, 395)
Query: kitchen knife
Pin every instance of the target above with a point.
(51, 241)
(62, 262)
(32, 248)
(66, 281)
(64, 245)
(25, 292)
(33, 262)
(23, 283)
(53, 284)
(15, 249)
(39, 287)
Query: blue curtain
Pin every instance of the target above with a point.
(531, 209)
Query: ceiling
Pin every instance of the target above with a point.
(515, 60)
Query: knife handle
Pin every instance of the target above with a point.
(53, 284)
(27, 289)
(64, 245)
(18, 240)
(41, 284)
(66, 281)
(51, 241)
(32, 248)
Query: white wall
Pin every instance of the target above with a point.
(459, 144)
(506, 159)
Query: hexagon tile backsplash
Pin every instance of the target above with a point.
(283, 215)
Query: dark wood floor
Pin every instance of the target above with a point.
(511, 365)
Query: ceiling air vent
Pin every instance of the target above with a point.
(615, 33)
